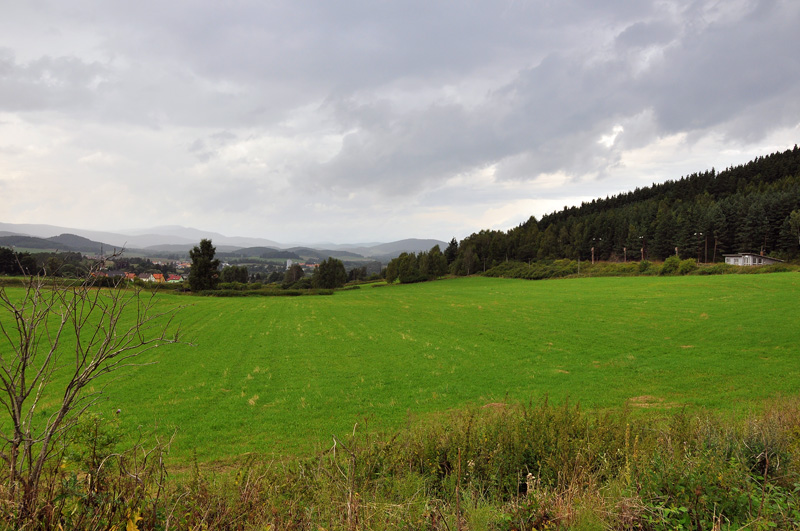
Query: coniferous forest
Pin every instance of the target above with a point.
(746, 208)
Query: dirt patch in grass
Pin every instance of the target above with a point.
(648, 401)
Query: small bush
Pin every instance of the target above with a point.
(223, 293)
(240, 286)
(349, 288)
(773, 268)
(535, 270)
(687, 266)
(716, 269)
(611, 269)
(670, 266)
(303, 283)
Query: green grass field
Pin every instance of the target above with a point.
(281, 374)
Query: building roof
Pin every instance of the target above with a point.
(739, 255)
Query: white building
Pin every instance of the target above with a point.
(749, 259)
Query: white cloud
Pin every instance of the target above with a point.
(608, 140)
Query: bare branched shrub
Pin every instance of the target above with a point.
(56, 339)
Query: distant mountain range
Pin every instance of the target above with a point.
(179, 240)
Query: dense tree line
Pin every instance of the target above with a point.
(292, 275)
(205, 273)
(357, 274)
(329, 275)
(68, 264)
(12, 263)
(412, 267)
(747, 208)
(72, 264)
(235, 274)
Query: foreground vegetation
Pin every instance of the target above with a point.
(501, 467)
(287, 398)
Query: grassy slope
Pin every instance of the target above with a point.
(282, 374)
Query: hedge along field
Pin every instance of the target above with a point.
(280, 375)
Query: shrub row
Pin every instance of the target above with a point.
(535, 270)
(671, 266)
(264, 292)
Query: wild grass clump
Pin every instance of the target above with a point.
(12, 281)
(95, 481)
(497, 467)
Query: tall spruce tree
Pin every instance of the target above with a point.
(205, 268)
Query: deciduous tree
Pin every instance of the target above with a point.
(293, 274)
(57, 339)
(330, 274)
(235, 274)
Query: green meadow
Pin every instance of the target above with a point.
(282, 374)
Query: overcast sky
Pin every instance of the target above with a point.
(370, 120)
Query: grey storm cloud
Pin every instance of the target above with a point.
(47, 82)
(645, 34)
(306, 102)
(726, 69)
(686, 76)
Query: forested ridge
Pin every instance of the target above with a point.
(746, 208)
